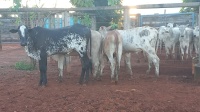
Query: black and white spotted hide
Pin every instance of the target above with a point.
(42, 42)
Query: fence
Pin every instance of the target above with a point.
(158, 20)
(50, 17)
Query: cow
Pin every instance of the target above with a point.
(186, 40)
(196, 39)
(170, 37)
(42, 42)
(135, 40)
(171, 25)
(96, 41)
(112, 51)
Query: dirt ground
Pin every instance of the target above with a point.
(174, 91)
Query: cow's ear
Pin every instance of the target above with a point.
(13, 31)
(100, 28)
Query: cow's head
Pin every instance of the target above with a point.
(103, 30)
(196, 31)
(23, 34)
(182, 29)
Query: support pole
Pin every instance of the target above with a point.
(0, 41)
(93, 27)
(126, 19)
(199, 35)
(197, 66)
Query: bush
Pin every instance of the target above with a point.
(24, 65)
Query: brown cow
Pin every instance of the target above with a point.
(112, 50)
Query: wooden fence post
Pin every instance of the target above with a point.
(199, 35)
(93, 27)
(126, 19)
(66, 18)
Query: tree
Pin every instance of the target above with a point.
(103, 17)
(190, 9)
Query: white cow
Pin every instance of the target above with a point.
(170, 37)
(134, 40)
(186, 40)
(196, 39)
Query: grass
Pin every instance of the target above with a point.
(24, 65)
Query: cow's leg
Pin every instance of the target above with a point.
(153, 58)
(186, 51)
(196, 48)
(191, 49)
(86, 67)
(95, 61)
(173, 51)
(43, 69)
(150, 65)
(112, 67)
(61, 60)
(167, 52)
(127, 57)
(102, 65)
(118, 56)
(182, 52)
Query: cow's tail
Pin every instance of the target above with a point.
(90, 39)
(117, 41)
(90, 63)
(157, 42)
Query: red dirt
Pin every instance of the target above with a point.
(174, 91)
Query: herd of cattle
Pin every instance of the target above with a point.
(102, 45)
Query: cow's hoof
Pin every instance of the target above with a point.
(42, 84)
(114, 82)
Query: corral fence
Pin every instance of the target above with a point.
(59, 17)
(158, 20)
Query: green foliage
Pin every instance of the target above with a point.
(16, 5)
(113, 25)
(24, 65)
(86, 20)
(103, 17)
(114, 2)
(190, 9)
(82, 3)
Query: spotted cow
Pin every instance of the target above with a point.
(42, 42)
(96, 41)
(135, 40)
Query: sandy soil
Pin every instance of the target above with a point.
(174, 91)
